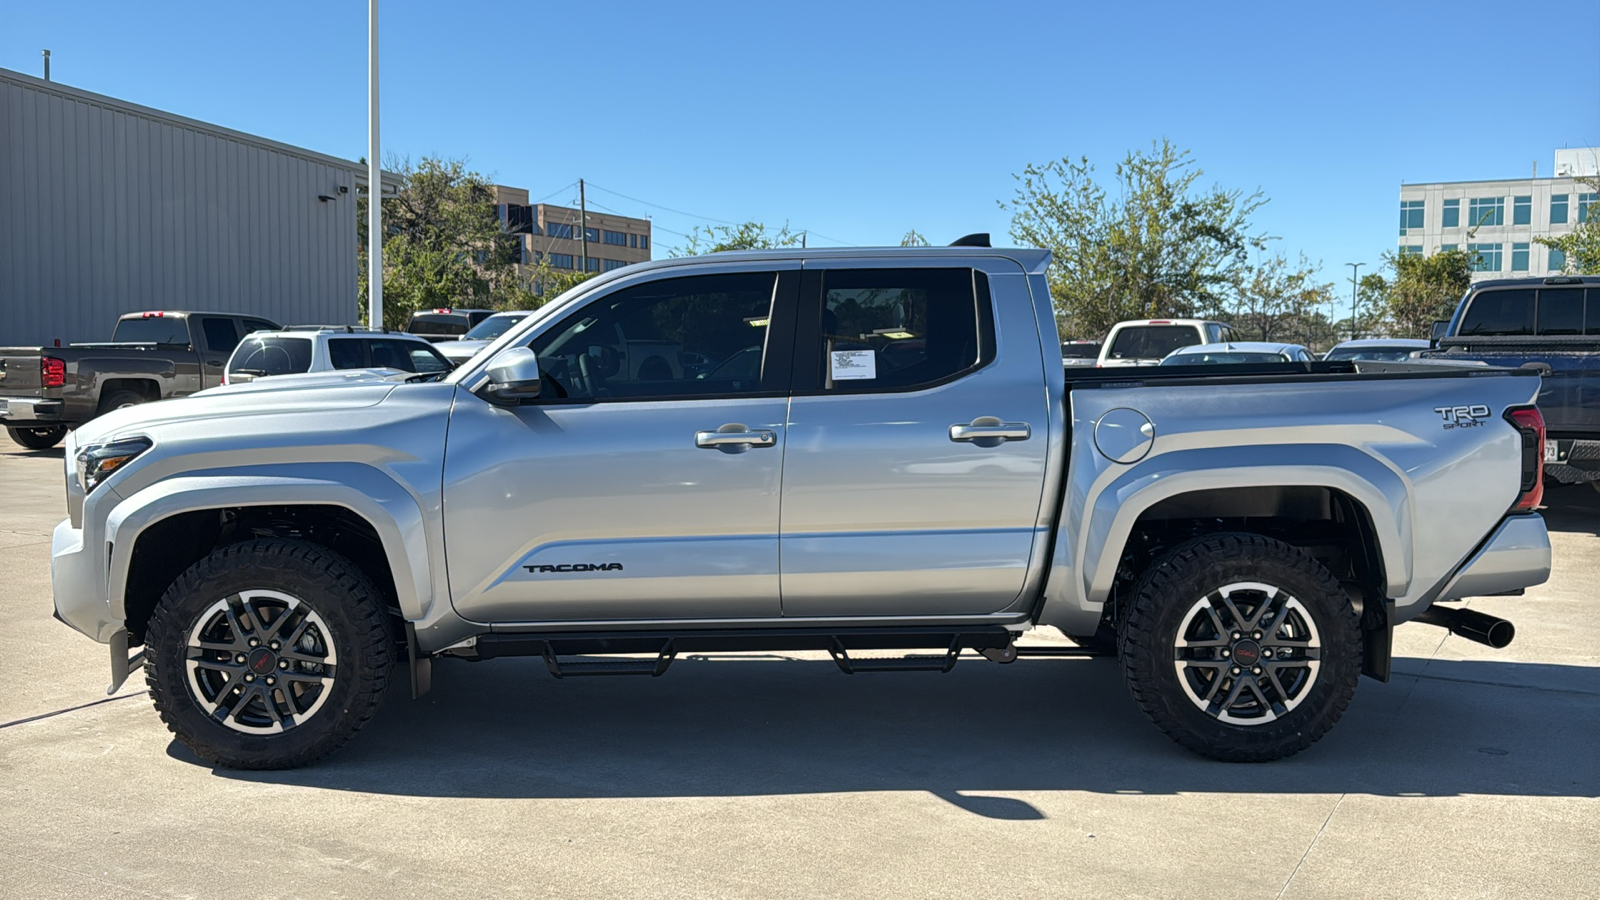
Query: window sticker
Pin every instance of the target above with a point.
(853, 365)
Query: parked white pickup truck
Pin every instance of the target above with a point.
(867, 450)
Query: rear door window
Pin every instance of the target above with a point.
(250, 325)
(271, 354)
(1152, 341)
(347, 353)
(1561, 311)
(221, 334)
(1506, 312)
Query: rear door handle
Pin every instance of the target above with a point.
(734, 437)
(987, 431)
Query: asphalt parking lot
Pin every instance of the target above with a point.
(1473, 773)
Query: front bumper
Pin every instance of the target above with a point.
(1516, 556)
(25, 411)
(78, 581)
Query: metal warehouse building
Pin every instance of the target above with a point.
(107, 208)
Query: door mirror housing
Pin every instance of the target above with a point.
(513, 378)
(1440, 329)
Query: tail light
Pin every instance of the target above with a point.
(52, 372)
(1530, 423)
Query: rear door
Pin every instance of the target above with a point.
(917, 440)
(631, 489)
(217, 337)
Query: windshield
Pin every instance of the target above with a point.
(1386, 354)
(493, 327)
(1232, 356)
(271, 355)
(152, 330)
(1152, 341)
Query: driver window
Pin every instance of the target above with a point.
(677, 337)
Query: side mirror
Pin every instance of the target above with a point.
(1440, 329)
(513, 378)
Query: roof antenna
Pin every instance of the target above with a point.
(46, 65)
(981, 239)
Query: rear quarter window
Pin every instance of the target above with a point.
(271, 355)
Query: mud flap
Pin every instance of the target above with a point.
(421, 666)
(1377, 639)
(122, 665)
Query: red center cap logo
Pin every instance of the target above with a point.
(1247, 653)
(261, 661)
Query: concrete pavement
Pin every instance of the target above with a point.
(1474, 773)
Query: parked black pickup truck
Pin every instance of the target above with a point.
(1550, 324)
(44, 391)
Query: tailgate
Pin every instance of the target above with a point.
(19, 372)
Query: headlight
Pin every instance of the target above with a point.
(96, 462)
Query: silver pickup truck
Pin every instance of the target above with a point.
(873, 453)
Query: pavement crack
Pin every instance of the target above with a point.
(1303, 856)
(62, 712)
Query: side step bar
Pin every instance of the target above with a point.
(994, 643)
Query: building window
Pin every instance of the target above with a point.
(607, 265)
(1485, 257)
(1486, 211)
(1558, 260)
(1410, 214)
(594, 264)
(1452, 214)
(615, 238)
(1519, 257)
(1558, 209)
(1521, 210)
(1448, 248)
(592, 235)
(559, 230)
(1410, 249)
(561, 260)
(633, 241)
(644, 242)
(1585, 203)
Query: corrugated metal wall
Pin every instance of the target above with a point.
(106, 208)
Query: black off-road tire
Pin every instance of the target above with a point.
(37, 437)
(1188, 572)
(361, 631)
(120, 400)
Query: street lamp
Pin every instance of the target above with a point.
(1354, 267)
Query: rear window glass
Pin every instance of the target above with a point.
(154, 330)
(1236, 356)
(1152, 341)
(1387, 354)
(1499, 312)
(1591, 320)
(271, 355)
(1561, 311)
(438, 323)
(1080, 351)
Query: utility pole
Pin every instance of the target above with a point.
(802, 240)
(47, 65)
(1354, 267)
(374, 179)
(583, 224)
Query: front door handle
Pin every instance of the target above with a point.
(213, 362)
(735, 437)
(987, 431)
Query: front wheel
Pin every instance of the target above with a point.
(37, 437)
(268, 654)
(1241, 648)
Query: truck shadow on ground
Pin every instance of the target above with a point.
(1573, 508)
(768, 725)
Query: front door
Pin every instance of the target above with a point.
(644, 482)
(917, 441)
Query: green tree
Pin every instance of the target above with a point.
(539, 285)
(748, 236)
(913, 239)
(1419, 291)
(442, 243)
(1277, 301)
(1581, 246)
(1157, 246)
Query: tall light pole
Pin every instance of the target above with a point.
(374, 179)
(1354, 267)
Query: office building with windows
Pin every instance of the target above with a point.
(540, 231)
(1498, 221)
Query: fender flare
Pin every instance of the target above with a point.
(393, 512)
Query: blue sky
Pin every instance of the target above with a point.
(858, 121)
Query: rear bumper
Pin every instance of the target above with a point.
(23, 411)
(1516, 556)
(1576, 462)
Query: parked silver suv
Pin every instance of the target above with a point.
(297, 351)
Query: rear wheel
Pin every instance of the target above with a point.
(268, 654)
(38, 437)
(1241, 648)
(120, 400)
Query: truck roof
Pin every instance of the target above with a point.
(1550, 280)
(1033, 261)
